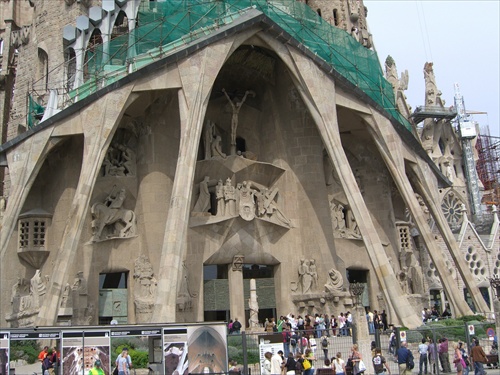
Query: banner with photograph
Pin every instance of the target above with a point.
(80, 350)
(207, 349)
(4, 353)
(175, 350)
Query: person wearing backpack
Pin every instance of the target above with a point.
(324, 345)
(405, 359)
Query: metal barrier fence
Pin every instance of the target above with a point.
(445, 337)
(247, 348)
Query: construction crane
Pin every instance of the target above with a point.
(467, 132)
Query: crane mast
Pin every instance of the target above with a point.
(467, 132)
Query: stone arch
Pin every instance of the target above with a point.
(42, 74)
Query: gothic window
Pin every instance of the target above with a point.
(496, 269)
(442, 146)
(319, 12)
(335, 17)
(43, 71)
(476, 264)
(452, 209)
(93, 55)
(70, 66)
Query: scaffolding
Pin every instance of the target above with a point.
(167, 26)
(488, 167)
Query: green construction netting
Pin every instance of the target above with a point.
(165, 26)
(35, 112)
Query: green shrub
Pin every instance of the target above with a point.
(27, 350)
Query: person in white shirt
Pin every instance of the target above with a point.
(423, 349)
(276, 363)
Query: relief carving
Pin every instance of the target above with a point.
(110, 220)
(343, 227)
(120, 161)
(185, 296)
(248, 199)
(145, 288)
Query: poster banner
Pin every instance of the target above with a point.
(207, 349)
(80, 350)
(175, 350)
(269, 343)
(4, 353)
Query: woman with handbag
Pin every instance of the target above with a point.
(357, 361)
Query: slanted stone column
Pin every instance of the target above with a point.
(453, 293)
(197, 75)
(101, 121)
(318, 93)
(236, 296)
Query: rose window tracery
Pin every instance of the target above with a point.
(452, 209)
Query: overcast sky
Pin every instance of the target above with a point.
(461, 38)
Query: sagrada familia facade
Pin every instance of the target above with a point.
(157, 156)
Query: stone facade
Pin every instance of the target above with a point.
(240, 160)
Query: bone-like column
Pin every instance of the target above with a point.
(318, 92)
(197, 75)
(453, 248)
(101, 121)
(453, 294)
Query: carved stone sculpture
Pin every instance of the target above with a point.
(185, 296)
(66, 298)
(120, 161)
(229, 198)
(219, 196)
(38, 289)
(253, 305)
(145, 288)
(110, 220)
(208, 137)
(203, 202)
(80, 284)
(307, 275)
(431, 90)
(216, 149)
(335, 281)
(236, 106)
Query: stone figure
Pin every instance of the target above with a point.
(80, 284)
(128, 160)
(37, 289)
(120, 161)
(209, 135)
(219, 196)
(118, 222)
(305, 276)
(313, 272)
(216, 149)
(144, 278)
(236, 106)
(338, 218)
(184, 295)
(66, 298)
(354, 231)
(335, 281)
(253, 305)
(430, 84)
(448, 170)
(269, 208)
(3, 203)
(229, 198)
(203, 202)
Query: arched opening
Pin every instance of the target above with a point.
(42, 74)
(319, 12)
(93, 57)
(335, 17)
(70, 67)
(119, 38)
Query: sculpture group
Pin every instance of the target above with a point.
(110, 220)
(248, 199)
